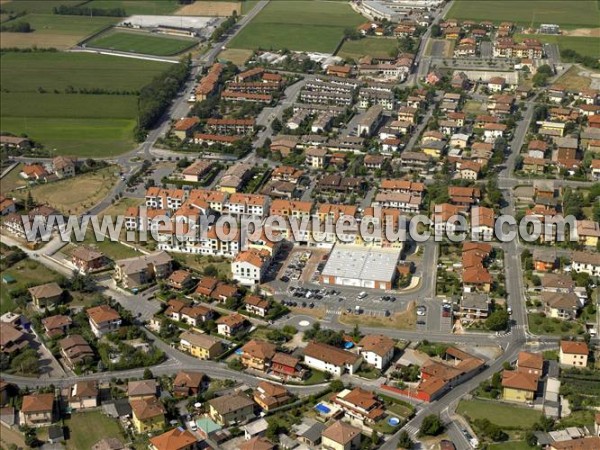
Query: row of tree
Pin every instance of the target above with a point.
(67, 10)
(17, 27)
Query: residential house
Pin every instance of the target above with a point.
(87, 259)
(330, 359)
(588, 232)
(147, 414)
(249, 266)
(63, 167)
(573, 354)
(82, 395)
(474, 305)
(103, 319)
(532, 363)
(270, 396)
(188, 383)
(56, 326)
(175, 439)
(46, 295)
(519, 386)
(75, 350)
(258, 355)
(316, 157)
(8, 206)
(138, 389)
(37, 410)
(586, 262)
(197, 170)
(201, 346)
(12, 340)
(341, 436)
(184, 127)
(360, 405)
(286, 366)
(180, 280)
(141, 270)
(561, 305)
(377, 350)
(231, 325)
(544, 260)
(256, 305)
(231, 409)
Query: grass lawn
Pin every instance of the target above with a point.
(302, 25)
(27, 273)
(141, 42)
(85, 429)
(113, 250)
(152, 7)
(119, 207)
(584, 45)
(316, 377)
(77, 194)
(539, 324)
(511, 445)
(199, 262)
(566, 13)
(34, 101)
(376, 47)
(238, 56)
(247, 6)
(12, 180)
(53, 30)
(503, 415)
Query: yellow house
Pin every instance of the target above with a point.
(519, 386)
(433, 148)
(148, 414)
(201, 346)
(588, 232)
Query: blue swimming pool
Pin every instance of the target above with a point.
(239, 351)
(322, 408)
(393, 421)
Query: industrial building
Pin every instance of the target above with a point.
(368, 267)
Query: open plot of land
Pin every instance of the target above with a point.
(36, 6)
(53, 30)
(26, 273)
(12, 180)
(566, 13)
(137, 6)
(573, 80)
(587, 46)
(302, 25)
(200, 262)
(85, 429)
(237, 56)
(503, 415)
(375, 47)
(73, 124)
(405, 320)
(210, 8)
(112, 249)
(76, 195)
(142, 42)
(511, 445)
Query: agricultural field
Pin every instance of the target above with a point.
(36, 6)
(142, 42)
(573, 80)
(504, 415)
(375, 47)
(211, 8)
(302, 25)
(55, 31)
(34, 100)
(237, 56)
(131, 7)
(75, 195)
(567, 13)
(587, 46)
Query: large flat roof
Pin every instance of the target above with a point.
(365, 263)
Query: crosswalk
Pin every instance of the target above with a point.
(411, 430)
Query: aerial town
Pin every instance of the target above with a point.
(270, 225)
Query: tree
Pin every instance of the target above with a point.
(497, 321)
(404, 441)
(431, 426)
(210, 271)
(148, 375)
(276, 125)
(531, 439)
(336, 385)
(436, 31)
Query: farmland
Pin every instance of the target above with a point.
(131, 7)
(36, 101)
(141, 42)
(375, 47)
(211, 8)
(52, 30)
(303, 25)
(587, 46)
(566, 13)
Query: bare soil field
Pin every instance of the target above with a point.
(583, 32)
(237, 56)
(210, 8)
(27, 40)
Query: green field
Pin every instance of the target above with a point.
(26, 273)
(504, 415)
(566, 13)
(152, 7)
(34, 100)
(376, 47)
(87, 428)
(511, 445)
(37, 6)
(587, 46)
(140, 42)
(302, 25)
(52, 30)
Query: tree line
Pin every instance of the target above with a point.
(67, 10)
(17, 27)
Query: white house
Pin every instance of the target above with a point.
(377, 350)
(103, 319)
(586, 262)
(330, 359)
(249, 266)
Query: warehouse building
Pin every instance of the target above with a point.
(368, 267)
